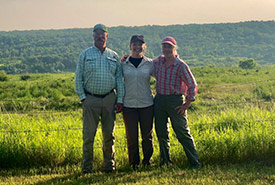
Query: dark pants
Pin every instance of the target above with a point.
(131, 118)
(165, 106)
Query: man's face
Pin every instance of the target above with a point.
(100, 37)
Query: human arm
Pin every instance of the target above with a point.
(192, 89)
(124, 58)
(119, 87)
(190, 82)
(79, 86)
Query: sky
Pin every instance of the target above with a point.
(63, 14)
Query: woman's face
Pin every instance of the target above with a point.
(168, 50)
(137, 47)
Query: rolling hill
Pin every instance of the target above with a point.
(51, 51)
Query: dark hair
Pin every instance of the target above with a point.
(137, 38)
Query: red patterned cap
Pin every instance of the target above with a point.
(169, 40)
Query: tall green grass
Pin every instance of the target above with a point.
(52, 139)
(231, 120)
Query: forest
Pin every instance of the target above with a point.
(224, 45)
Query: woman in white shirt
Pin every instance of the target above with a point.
(138, 102)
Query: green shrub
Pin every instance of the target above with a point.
(25, 77)
(247, 64)
(3, 76)
(265, 92)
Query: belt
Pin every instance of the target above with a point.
(99, 95)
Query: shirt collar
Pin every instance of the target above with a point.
(176, 62)
(95, 48)
(144, 59)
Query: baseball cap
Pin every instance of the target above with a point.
(100, 26)
(135, 38)
(169, 40)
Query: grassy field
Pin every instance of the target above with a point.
(216, 86)
(236, 135)
(253, 173)
(232, 123)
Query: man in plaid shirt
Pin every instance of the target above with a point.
(99, 86)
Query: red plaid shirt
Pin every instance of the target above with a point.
(174, 80)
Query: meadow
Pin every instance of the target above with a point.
(232, 122)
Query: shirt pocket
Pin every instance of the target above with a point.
(111, 64)
(90, 64)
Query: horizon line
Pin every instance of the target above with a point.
(56, 29)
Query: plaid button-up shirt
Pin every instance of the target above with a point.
(98, 73)
(174, 80)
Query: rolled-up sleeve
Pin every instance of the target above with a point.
(79, 80)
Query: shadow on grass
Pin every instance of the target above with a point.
(120, 176)
(262, 172)
(224, 174)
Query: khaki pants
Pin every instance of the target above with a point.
(165, 106)
(95, 109)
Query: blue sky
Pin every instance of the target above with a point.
(61, 14)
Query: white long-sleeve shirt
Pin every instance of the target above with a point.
(138, 92)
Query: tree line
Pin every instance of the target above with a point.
(51, 51)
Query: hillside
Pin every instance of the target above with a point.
(222, 85)
(42, 51)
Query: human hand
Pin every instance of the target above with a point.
(124, 58)
(119, 107)
(182, 108)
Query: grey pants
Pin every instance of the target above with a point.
(95, 109)
(165, 106)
